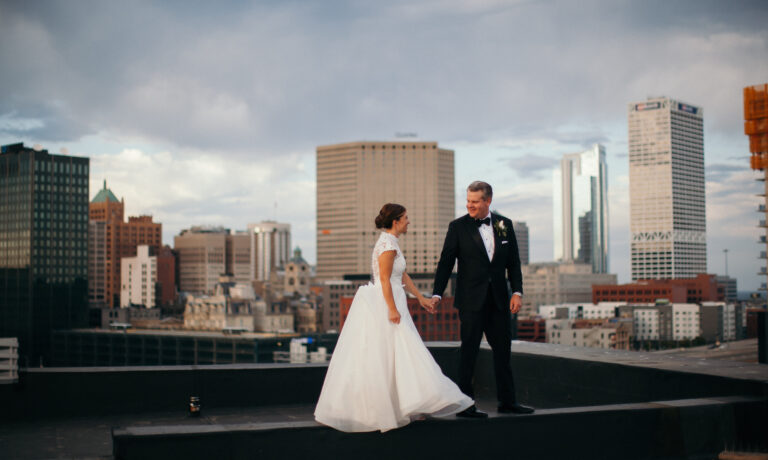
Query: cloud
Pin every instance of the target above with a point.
(293, 75)
(720, 172)
(732, 204)
(181, 189)
(530, 203)
(46, 122)
(532, 164)
(201, 114)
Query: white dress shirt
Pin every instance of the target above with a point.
(486, 233)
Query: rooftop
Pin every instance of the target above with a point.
(630, 404)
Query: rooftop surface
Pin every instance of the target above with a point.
(742, 350)
(635, 405)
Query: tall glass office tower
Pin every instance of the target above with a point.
(666, 190)
(581, 209)
(43, 247)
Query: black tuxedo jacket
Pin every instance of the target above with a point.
(464, 244)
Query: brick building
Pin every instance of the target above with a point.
(443, 325)
(702, 288)
(532, 329)
(166, 276)
(121, 238)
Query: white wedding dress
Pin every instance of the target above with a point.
(381, 376)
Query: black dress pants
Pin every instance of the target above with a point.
(496, 324)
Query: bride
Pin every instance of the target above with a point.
(381, 376)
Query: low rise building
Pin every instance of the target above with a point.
(730, 285)
(149, 279)
(721, 321)
(296, 275)
(332, 293)
(702, 288)
(531, 329)
(9, 360)
(646, 324)
(443, 325)
(686, 321)
(139, 279)
(234, 307)
(663, 321)
(595, 333)
(579, 310)
(556, 283)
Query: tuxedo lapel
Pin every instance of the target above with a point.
(473, 230)
(496, 238)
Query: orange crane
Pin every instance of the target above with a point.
(756, 127)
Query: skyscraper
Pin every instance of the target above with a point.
(202, 258)
(270, 247)
(205, 253)
(521, 233)
(43, 247)
(355, 179)
(666, 190)
(581, 209)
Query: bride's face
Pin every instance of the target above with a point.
(401, 225)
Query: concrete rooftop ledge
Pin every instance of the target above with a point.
(697, 428)
(583, 397)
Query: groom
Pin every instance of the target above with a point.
(486, 248)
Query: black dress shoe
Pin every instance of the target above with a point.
(472, 412)
(515, 409)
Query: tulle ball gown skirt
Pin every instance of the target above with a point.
(381, 376)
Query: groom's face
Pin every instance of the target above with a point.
(477, 206)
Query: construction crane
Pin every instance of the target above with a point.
(756, 127)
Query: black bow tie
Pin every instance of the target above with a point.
(486, 221)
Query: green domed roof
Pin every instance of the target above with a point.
(104, 194)
(297, 259)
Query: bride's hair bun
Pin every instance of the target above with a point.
(389, 213)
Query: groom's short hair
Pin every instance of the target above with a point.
(480, 186)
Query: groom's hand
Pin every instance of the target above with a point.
(515, 303)
(428, 305)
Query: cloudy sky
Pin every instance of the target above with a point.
(209, 112)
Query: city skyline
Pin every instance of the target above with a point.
(509, 86)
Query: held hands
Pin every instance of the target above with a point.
(428, 304)
(394, 316)
(515, 303)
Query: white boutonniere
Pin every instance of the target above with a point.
(501, 229)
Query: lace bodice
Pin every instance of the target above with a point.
(388, 242)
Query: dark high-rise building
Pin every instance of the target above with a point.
(521, 233)
(43, 247)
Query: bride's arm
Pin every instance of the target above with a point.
(386, 261)
(410, 286)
